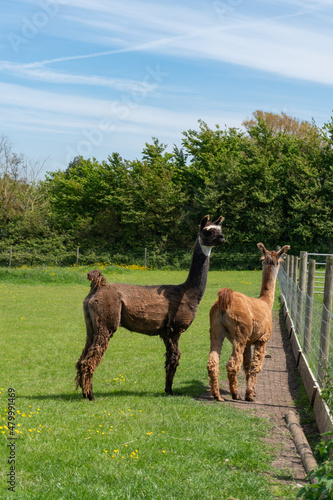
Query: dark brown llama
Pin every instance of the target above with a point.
(245, 321)
(165, 310)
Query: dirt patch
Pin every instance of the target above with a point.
(277, 389)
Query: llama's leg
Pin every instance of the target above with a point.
(99, 331)
(89, 341)
(92, 359)
(247, 360)
(172, 360)
(256, 365)
(217, 335)
(233, 366)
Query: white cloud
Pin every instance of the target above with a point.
(290, 44)
(71, 57)
(26, 108)
(41, 74)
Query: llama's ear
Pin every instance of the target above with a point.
(204, 222)
(218, 221)
(262, 248)
(283, 250)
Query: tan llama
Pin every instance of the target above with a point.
(245, 321)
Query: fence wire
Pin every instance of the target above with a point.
(313, 325)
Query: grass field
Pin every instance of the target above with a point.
(133, 441)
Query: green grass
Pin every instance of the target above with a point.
(133, 441)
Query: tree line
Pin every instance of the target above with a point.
(272, 181)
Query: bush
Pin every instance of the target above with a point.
(322, 475)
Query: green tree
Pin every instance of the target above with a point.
(155, 198)
(22, 199)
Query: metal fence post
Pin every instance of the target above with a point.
(325, 329)
(309, 306)
(10, 257)
(300, 294)
(77, 255)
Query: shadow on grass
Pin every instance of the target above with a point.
(193, 389)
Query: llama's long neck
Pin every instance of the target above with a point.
(196, 281)
(267, 292)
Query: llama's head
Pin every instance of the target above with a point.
(210, 233)
(272, 258)
(96, 278)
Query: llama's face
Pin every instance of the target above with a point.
(211, 233)
(272, 258)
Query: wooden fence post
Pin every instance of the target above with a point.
(309, 306)
(302, 287)
(294, 289)
(287, 261)
(77, 255)
(290, 287)
(325, 329)
(286, 268)
(10, 257)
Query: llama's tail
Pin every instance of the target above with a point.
(224, 300)
(97, 279)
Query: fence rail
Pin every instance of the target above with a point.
(310, 325)
(164, 257)
(319, 276)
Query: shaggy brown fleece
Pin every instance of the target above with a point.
(166, 310)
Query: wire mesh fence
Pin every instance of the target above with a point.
(152, 257)
(312, 322)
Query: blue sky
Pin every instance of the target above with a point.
(93, 77)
